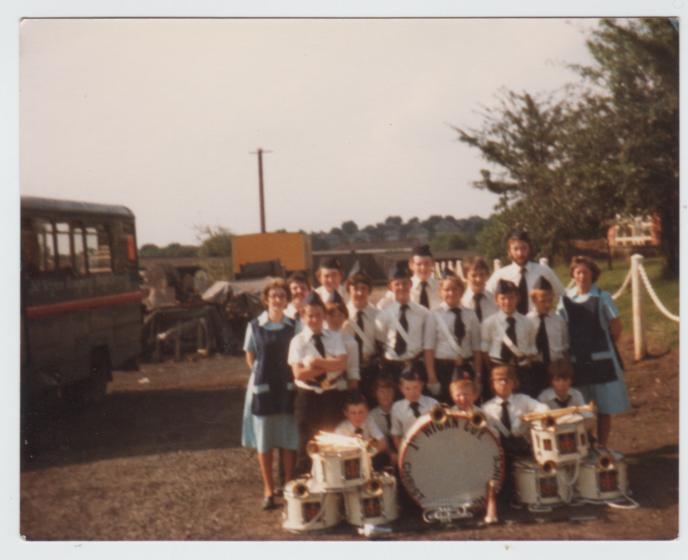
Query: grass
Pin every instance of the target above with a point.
(661, 331)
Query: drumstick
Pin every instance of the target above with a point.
(531, 416)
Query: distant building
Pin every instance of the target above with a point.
(636, 231)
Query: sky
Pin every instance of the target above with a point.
(162, 115)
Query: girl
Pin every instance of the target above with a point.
(594, 328)
(269, 406)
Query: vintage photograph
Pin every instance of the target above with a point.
(321, 279)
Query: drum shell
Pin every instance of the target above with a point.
(311, 512)
(591, 485)
(534, 486)
(385, 506)
(549, 441)
(335, 470)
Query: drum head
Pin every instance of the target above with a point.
(450, 463)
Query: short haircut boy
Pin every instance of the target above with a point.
(340, 306)
(359, 278)
(453, 279)
(504, 371)
(462, 383)
(383, 382)
(561, 369)
(410, 375)
(299, 278)
(476, 264)
(354, 398)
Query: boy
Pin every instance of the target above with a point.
(522, 271)
(359, 423)
(452, 339)
(504, 412)
(299, 287)
(318, 360)
(330, 275)
(407, 410)
(336, 314)
(400, 327)
(551, 338)
(476, 296)
(507, 337)
(423, 284)
(384, 390)
(361, 325)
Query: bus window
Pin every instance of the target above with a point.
(79, 249)
(98, 250)
(46, 249)
(64, 250)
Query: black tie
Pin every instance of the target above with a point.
(563, 403)
(319, 346)
(505, 416)
(388, 421)
(415, 406)
(359, 431)
(400, 343)
(478, 310)
(542, 341)
(506, 353)
(424, 301)
(522, 306)
(459, 329)
(359, 340)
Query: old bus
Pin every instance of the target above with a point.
(81, 308)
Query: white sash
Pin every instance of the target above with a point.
(451, 338)
(511, 346)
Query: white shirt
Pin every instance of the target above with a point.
(303, 346)
(385, 325)
(534, 270)
(353, 371)
(403, 417)
(432, 290)
(369, 315)
(487, 303)
(557, 333)
(369, 427)
(291, 311)
(548, 397)
(436, 339)
(493, 330)
(325, 295)
(518, 405)
(378, 416)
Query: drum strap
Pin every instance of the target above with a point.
(511, 346)
(401, 330)
(358, 330)
(449, 336)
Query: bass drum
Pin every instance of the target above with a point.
(448, 458)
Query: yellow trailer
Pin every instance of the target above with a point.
(292, 250)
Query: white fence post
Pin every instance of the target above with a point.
(438, 269)
(496, 264)
(639, 342)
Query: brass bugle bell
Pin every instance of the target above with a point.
(478, 420)
(549, 467)
(373, 488)
(300, 490)
(312, 448)
(549, 421)
(605, 463)
(438, 414)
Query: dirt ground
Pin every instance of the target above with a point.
(161, 459)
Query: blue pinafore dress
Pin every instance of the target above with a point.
(595, 358)
(268, 419)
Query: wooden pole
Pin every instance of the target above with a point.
(260, 186)
(639, 341)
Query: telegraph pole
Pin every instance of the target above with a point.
(261, 195)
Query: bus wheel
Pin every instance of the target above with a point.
(93, 389)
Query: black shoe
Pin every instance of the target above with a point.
(268, 503)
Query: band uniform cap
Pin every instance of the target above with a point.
(422, 251)
(506, 287)
(313, 299)
(542, 284)
(331, 262)
(400, 270)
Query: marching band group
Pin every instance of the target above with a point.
(328, 359)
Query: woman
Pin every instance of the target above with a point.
(594, 327)
(269, 406)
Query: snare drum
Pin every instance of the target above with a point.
(309, 510)
(448, 458)
(338, 468)
(559, 440)
(603, 476)
(538, 486)
(374, 503)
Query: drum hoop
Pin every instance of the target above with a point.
(464, 416)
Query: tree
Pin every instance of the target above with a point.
(216, 241)
(350, 227)
(149, 250)
(635, 83)
(394, 221)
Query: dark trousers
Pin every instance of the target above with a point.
(315, 412)
(394, 368)
(539, 377)
(447, 371)
(369, 373)
(514, 448)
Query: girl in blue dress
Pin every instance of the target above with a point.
(594, 328)
(268, 421)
